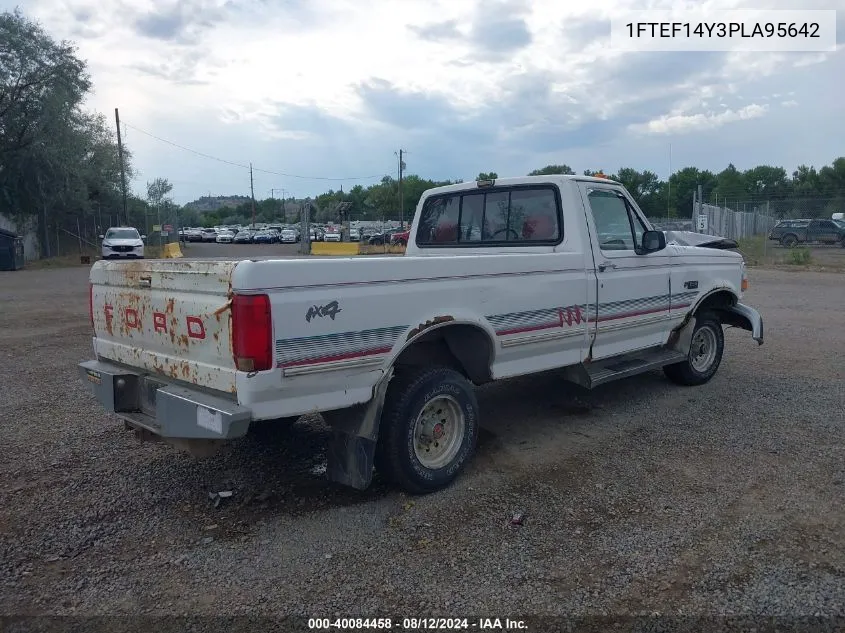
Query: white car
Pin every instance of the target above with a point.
(123, 241)
(288, 236)
(389, 349)
(225, 237)
(332, 235)
(354, 235)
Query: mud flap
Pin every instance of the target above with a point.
(352, 443)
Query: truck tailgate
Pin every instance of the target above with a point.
(169, 317)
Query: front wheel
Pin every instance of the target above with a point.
(428, 430)
(705, 354)
(789, 241)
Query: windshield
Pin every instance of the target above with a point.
(122, 234)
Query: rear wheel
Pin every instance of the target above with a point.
(428, 430)
(705, 354)
(789, 241)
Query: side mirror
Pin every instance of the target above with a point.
(102, 237)
(653, 241)
(143, 237)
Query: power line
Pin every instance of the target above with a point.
(242, 166)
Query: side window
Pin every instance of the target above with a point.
(617, 229)
(439, 220)
(533, 215)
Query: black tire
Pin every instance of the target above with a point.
(409, 392)
(842, 243)
(789, 241)
(691, 372)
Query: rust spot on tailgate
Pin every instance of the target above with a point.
(222, 309)
(422, 327)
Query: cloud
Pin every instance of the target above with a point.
(325, 88)
(683, 124)
(437, 31)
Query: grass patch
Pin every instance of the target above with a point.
(800, 256)
(759, 251)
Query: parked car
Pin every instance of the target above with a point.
(381, 238)
(209, 235)
(263, 237)
(225, 237)
(400, 238)
(792, 232)
(289, 236)
(354, 235)
(193, 235)
(122, 242)
(332, 234)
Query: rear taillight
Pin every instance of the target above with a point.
(252, 332)
(91, 304)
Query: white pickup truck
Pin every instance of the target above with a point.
(500, 279)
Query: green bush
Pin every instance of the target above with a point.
(799, 256)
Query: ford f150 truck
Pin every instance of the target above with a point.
(500, 279)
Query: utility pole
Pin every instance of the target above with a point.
(401, 196)
(252, 194)
(669, 186)
(122, 168)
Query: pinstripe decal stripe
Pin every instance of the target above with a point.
(337, 346)
(326, 348)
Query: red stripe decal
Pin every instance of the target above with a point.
(336, 357)
(529, 328)
(637, 313)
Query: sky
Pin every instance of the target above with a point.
(319, 94)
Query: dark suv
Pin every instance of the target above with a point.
(792, 232)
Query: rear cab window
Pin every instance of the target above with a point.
(518, 215)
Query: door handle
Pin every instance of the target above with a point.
(146, 282)
(605, 265)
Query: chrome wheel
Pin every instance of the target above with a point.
(703, 350)
(438, 432)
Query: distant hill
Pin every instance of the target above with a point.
(213, 203)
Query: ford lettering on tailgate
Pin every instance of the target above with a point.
(132, 321)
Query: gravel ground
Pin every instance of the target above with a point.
(640, 496)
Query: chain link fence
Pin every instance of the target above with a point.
(745, 219)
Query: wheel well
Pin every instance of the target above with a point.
(719, 300)
(463, 347)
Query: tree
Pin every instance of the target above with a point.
(492, 175)
(58, 163)
(549, 170)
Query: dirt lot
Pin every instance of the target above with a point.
(640, 497)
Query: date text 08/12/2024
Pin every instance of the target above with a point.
(416, 624)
